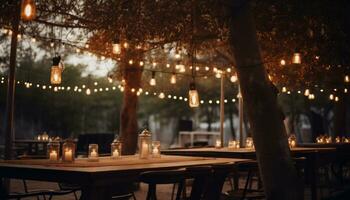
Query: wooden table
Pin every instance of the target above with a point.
(97, 179)
(34, 147)
(315, 158)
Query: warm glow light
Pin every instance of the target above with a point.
(283, 62)
(173, 78)
(28, 10)
(152, 82)
(233, 78)
(56, 71)
(88, 91)
(131, 62)
(116, 48)
(331, 97)
(296, 58)
(284, 89)
(307, 92)
(141, 63)
(161, 95)
(126, 45)
(346, 79)
(193, 96)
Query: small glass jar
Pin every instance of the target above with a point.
(292, 141)
(156, 149)
(144, 144)
(249, 143)
(116, 149)
(68, 151)
(233, 144)
(93, 152)
(218, 143)
(53, 151)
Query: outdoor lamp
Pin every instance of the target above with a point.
(193, 95)
(292, 141)
(156, 149)
(53, 150)
(173, 78)
(116, 149)
(144, 143)
(56, 71)
(152, 82)
(93, 152)
(68, 151)
(28, 10)
(307, 92)
(296, 58)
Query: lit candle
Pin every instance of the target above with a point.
(115, 153)
(144, 150)
(218, 144)
(93, 153)
(292, 144)
(68, 155)
(53, 155)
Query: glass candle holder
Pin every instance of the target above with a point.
(144, 144)
(53, 151)
(44, 137)
(68, 151)
(233, 144)
(328, 139)
(116, 149)
(292, 141)
(93, 152)
(249, 143)
(218, 143)
(156, 149)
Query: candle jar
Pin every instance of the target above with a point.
(292, 141)
(144, 144)
(116, 149)
(218, 143)
(68, 151)
(53, 151)
(156, 149)
(249, 143)
(233, 144)
(328, 139)
(45, 136)
(93, 152)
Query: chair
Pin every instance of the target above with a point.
(153, 178)
(217, 180)
(200, 176)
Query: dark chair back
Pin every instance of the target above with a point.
(103, 140)
(217, 180)
(153, 178)
(201, 176)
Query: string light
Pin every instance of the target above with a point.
(284, 89)
(152, 82)
(28, 10)
(141, 63)
(296, 58)
(126, 45)
(56, 71)
(346, 79)
(193, 95)
(173, 78)
(234, 78)
(331, 97)
(88, 91)
(283, 62)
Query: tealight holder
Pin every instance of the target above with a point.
(233, 144)
(68, 151)
(338, 139)
(53, 151)
(116, 149)
(328, 139)
(249, 143)
(45, 137)
(292, 141)
(93, 152)
(144, 144)
(218, 144)
(38, 137)
(156, 149)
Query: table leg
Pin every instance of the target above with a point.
(94, 192)
(311, 171)
(4, 187)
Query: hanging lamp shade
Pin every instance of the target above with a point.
(56, 71)
(193, 96)
(28, 10)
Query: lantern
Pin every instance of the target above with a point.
(53, 151)
(156, 149)
(116, 149)
(193, 95)
(93, 152)
(292, 141)
(116, 46)
(68, 151)
(296, 58)
(173, 78)
(233, 144)
(56, 70)
(144, 144)
(346, 79)
(152, 82)
(218, 143)
(28, 10)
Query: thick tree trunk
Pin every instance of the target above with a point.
(128, 117)
(276, 166)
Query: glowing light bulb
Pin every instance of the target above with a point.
(116, 48)
(173, 78)
(284, 89)
(283, 62)
(233, 78)
(28, 10)
(161, 95)
(346, 79)
(307, 92)
(88, 91)
(296, 58)
(193, 96)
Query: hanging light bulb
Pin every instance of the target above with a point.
(283, 62)
(193, 95)
(126, 45)
(346, 79)
(56, 70)
(233, 78)
(181, 68)
(161, 95)
(28, 10)
(52, 43)
(331, 96)
(307, 92)
(116, 47)
(152, 82)
(173, 78)
(284, 89)
(88, 91)
(33, 39)
(296, 58)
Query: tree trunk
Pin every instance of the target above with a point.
(275, 163)
(128, 117)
